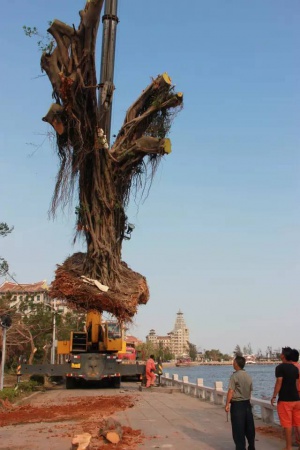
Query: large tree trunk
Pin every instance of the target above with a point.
(105, 175)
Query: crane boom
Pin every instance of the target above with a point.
(110, 22)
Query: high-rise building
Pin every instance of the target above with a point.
(177, 340)
(180, 337)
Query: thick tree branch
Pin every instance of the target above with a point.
(51, 65)
(158, 97)
(61, 28)
(90, 16)
(162, 81)
(63, 43)
(54, 117)
(146, 145)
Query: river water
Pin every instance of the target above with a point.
(263, 376)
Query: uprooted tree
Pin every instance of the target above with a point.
(106, 175)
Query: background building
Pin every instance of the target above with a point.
(177, 340)
(180, 337)
(37, 292)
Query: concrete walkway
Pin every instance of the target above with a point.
(168, 421)
(177, 421)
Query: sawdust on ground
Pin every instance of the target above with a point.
(89, 413)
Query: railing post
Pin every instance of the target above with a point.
(199, 381)
(166, 379)
(218, 393)
(201, 392)
(174, 379)
(219, 385)
(185, 380)
(267, 415)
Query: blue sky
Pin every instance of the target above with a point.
(218, 235)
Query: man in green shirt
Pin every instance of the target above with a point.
(238, 402)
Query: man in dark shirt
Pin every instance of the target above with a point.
(295, 361)
(288, 406)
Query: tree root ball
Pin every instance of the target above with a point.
(122, 303)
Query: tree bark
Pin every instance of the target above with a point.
(112, 431)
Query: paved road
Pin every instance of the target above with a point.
(179, 422)
(169, 421)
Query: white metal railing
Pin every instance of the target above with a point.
(217, 395)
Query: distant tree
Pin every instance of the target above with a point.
(162, 351)
(213, 354)
(192, 351)
(269, 352)
(31, 332)
(247, 349)
(19, 336)
(4, 310)
(237, 351)
(37, 320)
(168, 355)
(145, 350)
(259, 354)
(4, 231)
(71, 321)
(159, 353)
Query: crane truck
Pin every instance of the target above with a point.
(91, 355)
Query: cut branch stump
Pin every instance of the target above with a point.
(111, 431)
(81, 441)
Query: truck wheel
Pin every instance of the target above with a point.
(70, 383)
(117, 382)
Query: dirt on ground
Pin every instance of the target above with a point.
(90, 413)
(277, 432)
(271, 431)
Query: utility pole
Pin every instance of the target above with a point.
(5, 322)
(3, 357)
(53, 333)
(110, 22)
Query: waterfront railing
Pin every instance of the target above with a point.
(262, 408)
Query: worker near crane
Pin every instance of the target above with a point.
(150, 371)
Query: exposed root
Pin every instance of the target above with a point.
(123, 304)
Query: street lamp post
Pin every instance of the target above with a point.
(3, 357)
(53, 308)
(53, 333)
(5, 323)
